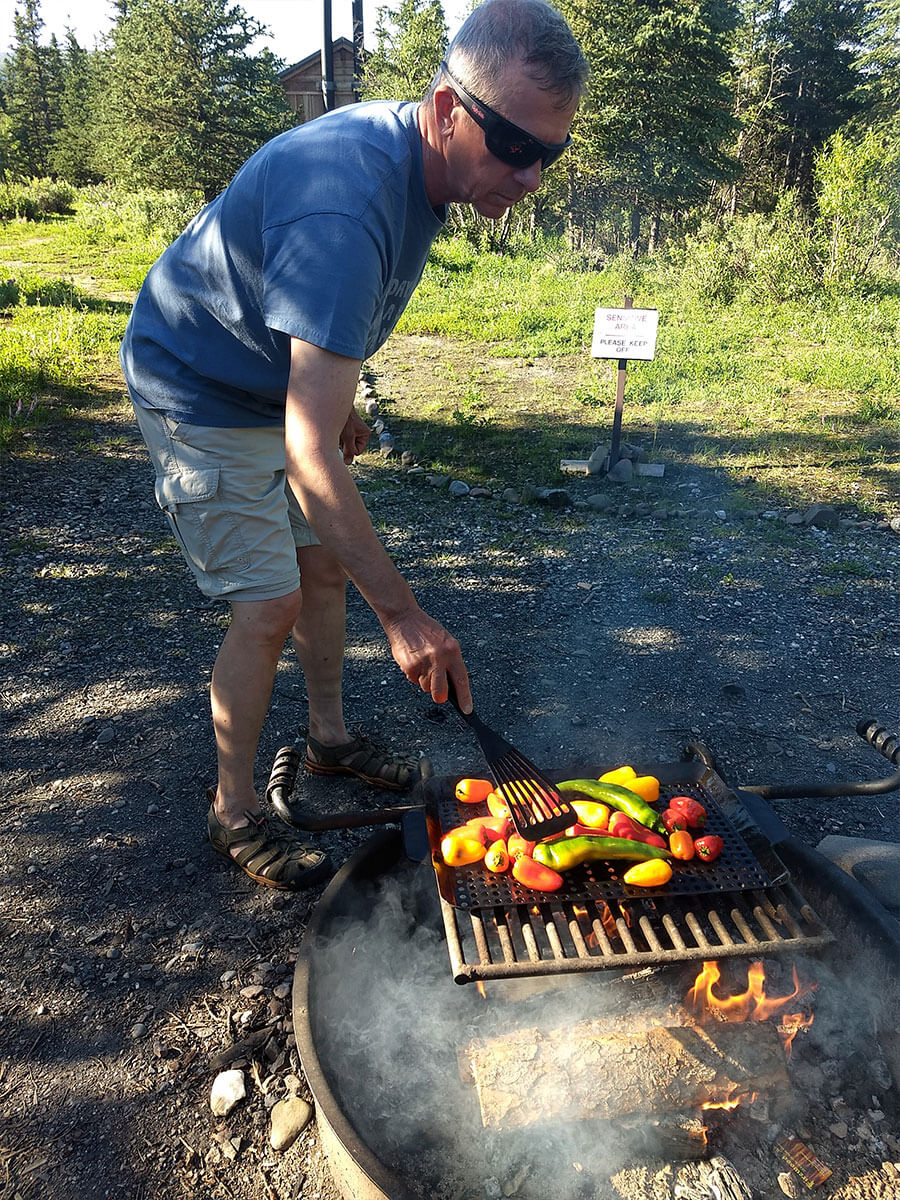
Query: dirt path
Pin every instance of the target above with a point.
(133, 958)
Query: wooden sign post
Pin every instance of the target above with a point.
(623, 333)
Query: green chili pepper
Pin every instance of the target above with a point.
(618, 797)
(566, 853)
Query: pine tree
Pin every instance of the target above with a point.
(652, 135)
(410, 43)
(32, 83)
(185, 103)
(73, 152)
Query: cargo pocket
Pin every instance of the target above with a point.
(186, 499)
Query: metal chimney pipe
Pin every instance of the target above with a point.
(327, 57)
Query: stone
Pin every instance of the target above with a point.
(288, 1120)
(481, 493)
(511, 496)
(437, 481)
(229, 1088)
(600, 502)
(557, 498)
(894, 524)
(794, 518)
(821, 516)
(621, 471)
(372, 409)
(458, 488)
(597, 461)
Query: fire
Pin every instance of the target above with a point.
(481, 989)
(753, 1004)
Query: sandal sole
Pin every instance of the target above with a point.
(312, 876)
(379, 781)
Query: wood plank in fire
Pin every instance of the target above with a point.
(586, 1072)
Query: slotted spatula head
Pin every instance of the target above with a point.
(536, 807)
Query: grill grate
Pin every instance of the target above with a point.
(747, 908)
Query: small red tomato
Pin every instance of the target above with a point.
(673, 820)
(708, 847)
(692, 810)
(497, 857)
(681, 844)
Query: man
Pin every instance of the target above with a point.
(242, 358)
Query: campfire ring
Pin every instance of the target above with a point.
(362, 1168)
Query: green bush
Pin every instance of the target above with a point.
(35, 199)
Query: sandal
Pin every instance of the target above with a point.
(274, 859)
(377, 765)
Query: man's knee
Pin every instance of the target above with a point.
(319, 568)
(267, 620)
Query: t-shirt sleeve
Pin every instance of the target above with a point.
(323, 282)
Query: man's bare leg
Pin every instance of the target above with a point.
(320, 633)
(240, 693)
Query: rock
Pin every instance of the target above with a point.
(459, 488)
(794, 518)
(597, 460)
(386, 444)
(481, 493)
(894, 524)
(821, 516)
(437, 481)
(600, 502)
(289, 1118)
(789, 1184)
(372, 409)
(228, 1089)
(511, 496)
(557, 498)
(138, 1031)
(105, 736)
(407, 458)
(530, 493)
(839, 1129)
(621, 471)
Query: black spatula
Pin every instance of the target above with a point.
(536, 807)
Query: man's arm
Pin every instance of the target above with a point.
(321, 389)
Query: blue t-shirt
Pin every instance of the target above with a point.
(322, 235)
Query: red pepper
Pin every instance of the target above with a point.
(654, 839)
(681, 844)
(708, 847)
(517, 845)
(672, 820)
(692, 810)
(488, 828)
(621, 825)
(535, 875)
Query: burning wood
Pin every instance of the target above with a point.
(587, 1072)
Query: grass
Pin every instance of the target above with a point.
(490, 376)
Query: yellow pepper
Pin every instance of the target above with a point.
(646, 786)
(653, 873)
(591, 813)
(622, 775)
(459, 848)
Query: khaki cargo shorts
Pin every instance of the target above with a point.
(229, 505)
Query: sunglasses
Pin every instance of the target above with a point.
(504, 140)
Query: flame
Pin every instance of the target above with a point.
(481, 989)
(753, 1004)
(727, 1105)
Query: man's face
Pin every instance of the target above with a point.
(474, 175)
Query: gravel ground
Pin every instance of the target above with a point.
(136, 959)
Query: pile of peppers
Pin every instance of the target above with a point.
(617, 821)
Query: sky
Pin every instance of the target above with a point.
(296, 24)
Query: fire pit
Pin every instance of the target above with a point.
(544, 1081)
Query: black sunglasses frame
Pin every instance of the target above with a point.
(506, 141)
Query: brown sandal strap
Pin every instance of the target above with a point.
(364, 758)
(272, 858)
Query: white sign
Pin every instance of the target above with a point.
(624, 333)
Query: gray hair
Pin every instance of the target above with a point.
(500, 31)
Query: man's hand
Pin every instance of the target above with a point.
(354, 436)
(427, 654)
